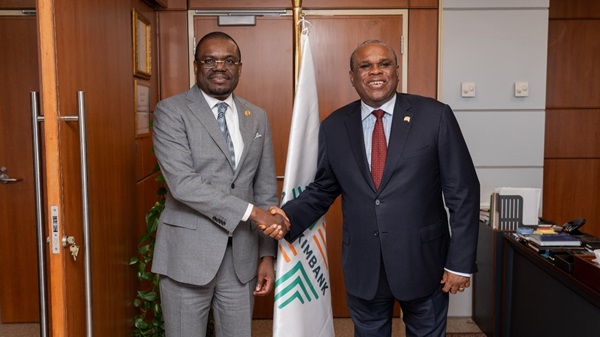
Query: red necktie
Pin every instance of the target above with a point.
(379, 149)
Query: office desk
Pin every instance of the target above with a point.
(542, 300)
(487, 282)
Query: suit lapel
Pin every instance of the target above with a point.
(401, 123)
(200, 108)
(247, 127)
(357, 144)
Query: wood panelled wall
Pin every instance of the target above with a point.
(146, 185)
(572, 139)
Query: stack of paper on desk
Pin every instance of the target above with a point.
(545, 240)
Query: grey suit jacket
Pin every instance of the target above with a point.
(206, 198)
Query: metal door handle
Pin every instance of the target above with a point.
(39, 212)
(87, 262)
(85, 208)
(9, 180)
(5, 179)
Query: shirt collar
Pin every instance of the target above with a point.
(213, 101)
(388, 107)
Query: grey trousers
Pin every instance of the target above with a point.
(186, 307)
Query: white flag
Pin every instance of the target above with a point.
(302, 290)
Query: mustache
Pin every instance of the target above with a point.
(219, 74)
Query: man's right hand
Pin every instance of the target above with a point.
(273, 225)
(276, 211)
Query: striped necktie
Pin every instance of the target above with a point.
(221, 108)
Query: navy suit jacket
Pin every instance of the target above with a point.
(404, 223)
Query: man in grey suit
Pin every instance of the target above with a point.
(215, 152)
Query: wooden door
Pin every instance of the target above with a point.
(87, 46)
(267, 81)
(18, 253)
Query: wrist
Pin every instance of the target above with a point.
(253, 213)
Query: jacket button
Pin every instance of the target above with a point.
(232, 185)
(375, 233)
(377, 202)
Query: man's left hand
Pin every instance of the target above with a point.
(265, 277)
(454, 283)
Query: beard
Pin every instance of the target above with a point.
(219, 91)
(215, 88)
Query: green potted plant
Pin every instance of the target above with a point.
(148, 320)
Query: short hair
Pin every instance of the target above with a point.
(217, 35)
(381, 43)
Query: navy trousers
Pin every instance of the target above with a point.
(423, 317)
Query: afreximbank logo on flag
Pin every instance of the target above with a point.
(304, 277)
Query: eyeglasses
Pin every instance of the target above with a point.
(209, 63)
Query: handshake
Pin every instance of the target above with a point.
(273, 222)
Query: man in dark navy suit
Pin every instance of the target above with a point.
(398, 242)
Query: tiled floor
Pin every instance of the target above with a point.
(20, 330)
(344, 328)
(263, 328)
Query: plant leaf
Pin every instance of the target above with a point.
(148, 295)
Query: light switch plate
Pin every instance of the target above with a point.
(521, 89)
(467, 89)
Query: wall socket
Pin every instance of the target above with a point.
(521, 89)
(467, 89)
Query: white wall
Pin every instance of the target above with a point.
(494, 44)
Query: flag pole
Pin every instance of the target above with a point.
(297, 12)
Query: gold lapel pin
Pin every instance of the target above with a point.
(247, 113)
(407, 119)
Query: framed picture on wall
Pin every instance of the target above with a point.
(142, 59)
(142, 107)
